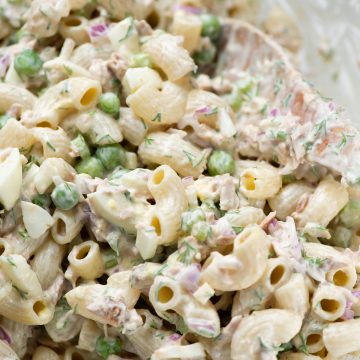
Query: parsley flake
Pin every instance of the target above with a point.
(157, 118)
(23, 294)
(48, 143)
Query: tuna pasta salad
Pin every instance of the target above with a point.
(170, 188)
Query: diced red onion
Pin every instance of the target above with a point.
(348, 313)
(201, 325)
(97, 31)
(203, 110)
(274, 112)
(4, 64)
(188, 9)
(4, 336)
(189, 277)
(356, 293)
(273, 222)
(331, 106)
(175, 337)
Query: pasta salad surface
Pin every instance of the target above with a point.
(170, 188)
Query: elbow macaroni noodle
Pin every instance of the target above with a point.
(144, 212)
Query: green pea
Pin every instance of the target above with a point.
(109, 103)
(111, 156)
(201, 230)
(43, 200)
(140, 60)
(65, 196)
(220, 162)
(91, 166)
(350, 214)
(80, 146)
(211, 26)
(190, 218)
(118, 173)
(107, 346)
(205, 56)
(27, 63)
(3, 120)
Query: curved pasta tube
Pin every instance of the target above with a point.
(54, 143)
(189, 27)
(44, 18)
(85, 53)
(272, 327)
(150, 329)
(163, 221)
(132, 127)
(10, 177)
(163, 106)
(317, 250)
(29, 311)
(16, 268)
(286, 201)
(278, 272)
(65, 325)
(67, 225)
(66, 67)
(257, 296)
(329, 302)
(74, 27)
(340, 337)
(244, 267)
(45, 353)
(166, 294)
(124, 37)
(171, 149)
(14, 134)
(134, 78)
(113, 205)
(343, 276)
(47, 262)
(89, 332)
(311, 335)
(36, 219)
(72, 353)
(86, 261)
(293, 296)
(6, 352)
(194, 351)
(49, 169)
(260, 181)
(317, 209)
(166, 50)
(11, 94)
(244, 216)
(218, 130)
(108, 304)
(76, 93)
